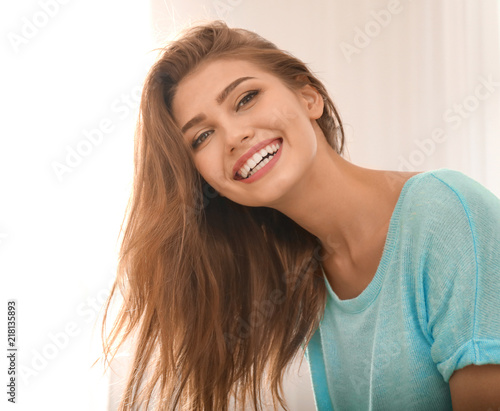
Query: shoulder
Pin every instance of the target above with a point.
(444, 198)
(468, 191)
(457, 260)
(451, 220)
(451, 228)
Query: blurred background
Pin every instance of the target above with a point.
(417, 84)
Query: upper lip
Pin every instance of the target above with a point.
(257, 147)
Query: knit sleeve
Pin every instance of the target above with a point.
(460, 274)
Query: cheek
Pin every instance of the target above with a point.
(211, 168)
(279, 115)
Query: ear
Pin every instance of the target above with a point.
(313, 101)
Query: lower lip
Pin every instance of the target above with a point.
(264, 170)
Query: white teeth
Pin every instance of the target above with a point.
(251, 162)
(262, 164)
(250, 166)
(257, 157)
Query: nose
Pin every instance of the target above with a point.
(234, 145)
(237, 135)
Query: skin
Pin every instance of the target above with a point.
(353, 230)
(476, 388)
(352, 205)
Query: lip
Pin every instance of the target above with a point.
(243, 159)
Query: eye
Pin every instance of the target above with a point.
(198, 140)
(247, 98)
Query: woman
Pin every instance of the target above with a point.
(249, 237)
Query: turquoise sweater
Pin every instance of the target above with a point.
(433, 306)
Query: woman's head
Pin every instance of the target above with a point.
(215, 40)
(219, 296)
(253, 139)
(231, 50)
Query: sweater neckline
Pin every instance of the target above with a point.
(370, 293)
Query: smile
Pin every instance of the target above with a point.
(263, 159)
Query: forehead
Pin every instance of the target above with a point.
(207, 81)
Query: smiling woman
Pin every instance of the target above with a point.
(213, 322)
(250, 239)
(235, 132)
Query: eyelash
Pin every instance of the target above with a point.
(247, 98)
(197, 141)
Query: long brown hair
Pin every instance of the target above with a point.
(219, 297)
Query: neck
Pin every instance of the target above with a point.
(345, 206)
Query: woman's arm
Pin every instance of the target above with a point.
(476, 388)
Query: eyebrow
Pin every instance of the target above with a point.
(191, 123)
(220, 99)
(231, 87)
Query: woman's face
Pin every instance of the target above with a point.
(234, 114)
